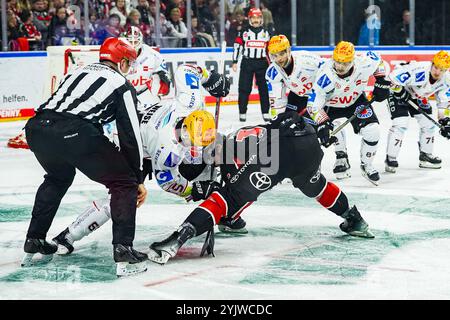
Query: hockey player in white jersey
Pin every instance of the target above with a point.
(338, 92)
(287, 72)
(417, 81)
(148, 74)
(169, 151)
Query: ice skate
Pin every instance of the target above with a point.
(427, 160)
(18, 142)
(370, 173)
(341, 166)
(242, 117)
(129, 261)
(64, 241)
(228, 225)
(33, 246)
(355, 225)
(161, 252)
(391, 165)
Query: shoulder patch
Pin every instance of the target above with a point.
(272, 73)
(403, 77)
(323, 81)
(420, 76)
(172, 160)
(372, 55)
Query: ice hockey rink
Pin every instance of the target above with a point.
(294, 248)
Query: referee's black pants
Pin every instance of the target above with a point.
(63, 143)
(250, 67)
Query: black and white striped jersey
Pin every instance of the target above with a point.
(251, 43)
(99, 94)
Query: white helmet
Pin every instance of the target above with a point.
(135, 37)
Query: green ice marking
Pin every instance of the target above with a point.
(338, 260)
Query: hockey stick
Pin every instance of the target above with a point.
(340, 127)
(415, 106)
(217, 111)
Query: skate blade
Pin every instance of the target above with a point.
(28, 261)
(362, 234)
(390, 169)
(62, 250)
(343, 175)
(226, 229)
(160, 257)
(375, 183)
(126, 269)
(427, 165)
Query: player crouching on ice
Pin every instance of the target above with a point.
(338, 92)
(416, 82)
(295, 153)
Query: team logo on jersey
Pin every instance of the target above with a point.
(315, 177)
(172, 160)
(163, 176)
(323, 81)
(420, 76)
(403, 77)
(192, 81)
(260, 180)
(365, 113)
(272, 73)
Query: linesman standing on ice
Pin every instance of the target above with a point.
(67, 134)
(251, 42)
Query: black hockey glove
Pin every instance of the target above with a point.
(323, 133)
(289, 123)
(445, 129)
(402, 97)
(381, 89)
(217, 85)
(203, 189)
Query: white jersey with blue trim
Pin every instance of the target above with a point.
(300, 81)
(331, 90)
(415, 77)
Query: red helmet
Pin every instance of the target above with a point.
(116, 49)
(254, 12)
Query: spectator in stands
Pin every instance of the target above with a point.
(30, 30)
(176, 30)
(268, 23)
(144, 9)
(121, 11)
(41, 18)
(175, 4)
(163, 22)
(369, 33)
(95, 26)
(399, 34)
(134, 19)
(200, 37)
(111, 29)
(237, 24)
(58, 27)
(55, 5)
(14, 30)
(101, 8)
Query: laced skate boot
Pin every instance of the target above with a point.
(129, 261)
(64, 241)
(242, 117)
(427, 160)
(228, 225)
(370, 173)
(391, 165)
(266, 117)
(161, 252)
(355, 225)
(33, 246)
(341, 166)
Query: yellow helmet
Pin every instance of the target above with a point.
(442, 60)
(201, 127)
(278, 43)
(344, 52)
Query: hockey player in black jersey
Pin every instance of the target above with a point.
(295, 153)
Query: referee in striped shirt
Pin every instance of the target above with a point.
(67, 134)
(251, 42)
